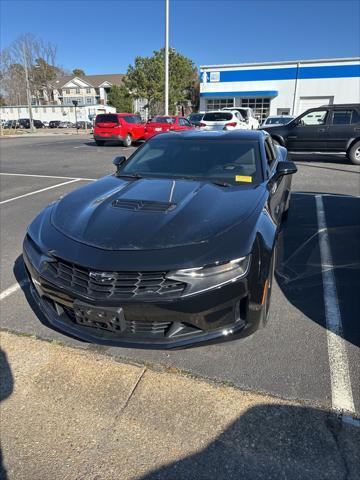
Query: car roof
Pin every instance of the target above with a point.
(219, 134)
(338, 105)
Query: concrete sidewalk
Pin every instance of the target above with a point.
(71, 414)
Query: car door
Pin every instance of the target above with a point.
(309, 131)
(278, 190)
(344, 125)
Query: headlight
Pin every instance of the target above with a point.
(200, 279)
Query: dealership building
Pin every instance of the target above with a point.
(281, 88)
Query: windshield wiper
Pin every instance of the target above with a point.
(220, 183)
(129, 175)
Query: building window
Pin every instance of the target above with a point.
(260, 106)
(89, 100)
(67, 91)
(88, 90)
(219, 103)
(77, 91)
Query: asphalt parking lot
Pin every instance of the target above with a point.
(300, 355)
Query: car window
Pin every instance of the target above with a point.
(163, 120)
(183, 122)
(132, 119)
(196, 117)
(106, 118)
(316, 117)
(234, 161)
(342, 117)
(270, 152)
(355, 117)
(217, 116)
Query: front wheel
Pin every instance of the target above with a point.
(127, 141)
(353, 154)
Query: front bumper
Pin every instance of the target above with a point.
(218, 314)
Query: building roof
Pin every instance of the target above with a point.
(287, 62)
(93, 80)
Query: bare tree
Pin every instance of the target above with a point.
(40, 57)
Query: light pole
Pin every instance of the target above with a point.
(166, 57)
(28, 92)
(75, 103)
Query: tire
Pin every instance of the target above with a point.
(353, 153)
(127, 140)
(100, 143)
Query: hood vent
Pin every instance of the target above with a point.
(143, 205)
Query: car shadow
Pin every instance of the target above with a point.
(308, 157)
(110, 143)
(299, 267)
(272, 441)
(6, 389)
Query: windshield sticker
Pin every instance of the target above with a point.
(243, 178)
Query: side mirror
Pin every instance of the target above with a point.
(283, 168)
(118, 161)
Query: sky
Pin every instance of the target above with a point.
(104, 36)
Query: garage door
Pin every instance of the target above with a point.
(313, 102)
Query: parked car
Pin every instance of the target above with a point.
(331, 128)
(11, 124)
(222, 120)
(248, 115)
(82, 125)
(65, 125)
(123, 127)
(176, 248)
(54, 123)
(46, 124)
(278, 120)
(195, 118)
(162, 124)
(25, 123)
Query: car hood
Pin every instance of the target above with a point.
(148, 214)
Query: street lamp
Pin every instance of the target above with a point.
(75, 103)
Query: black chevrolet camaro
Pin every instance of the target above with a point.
(176, 248)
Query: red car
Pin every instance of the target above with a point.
(163, 124)
(123, 127)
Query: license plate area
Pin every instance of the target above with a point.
(111, 319)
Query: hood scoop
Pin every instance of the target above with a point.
(143, 205)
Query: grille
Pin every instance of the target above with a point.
(136, 328)
(145, 205)
(112, 285)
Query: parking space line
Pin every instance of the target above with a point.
(39, 191)
(341, 392)
(14, 288)
(46, 176)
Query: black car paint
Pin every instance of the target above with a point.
(85, 229)
(323, 138)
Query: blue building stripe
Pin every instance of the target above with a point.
(255, 93)
(334, 71)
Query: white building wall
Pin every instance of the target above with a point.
(335, 90)
(54, 112)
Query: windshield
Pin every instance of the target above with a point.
(163, 120)
(232, 161)
(196, 117)
(278, 121)
(217, 116)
